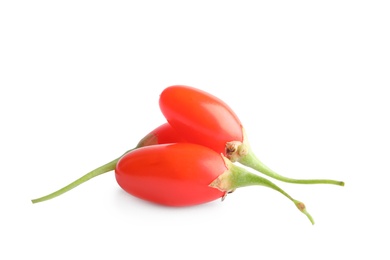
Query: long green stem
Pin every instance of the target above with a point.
(252, 161)
(96, 172)
(237, 177)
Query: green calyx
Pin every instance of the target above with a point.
(237, 177)
(241, 152)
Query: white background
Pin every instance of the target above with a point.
(80, 82)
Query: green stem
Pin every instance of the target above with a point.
(252, 161)
(244, 178)
(237, 177)
(96, 172)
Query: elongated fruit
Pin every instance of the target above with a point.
(204, 119)
(185, 174)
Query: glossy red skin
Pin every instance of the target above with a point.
(200, 117)
(171, 174)
(164, 134)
